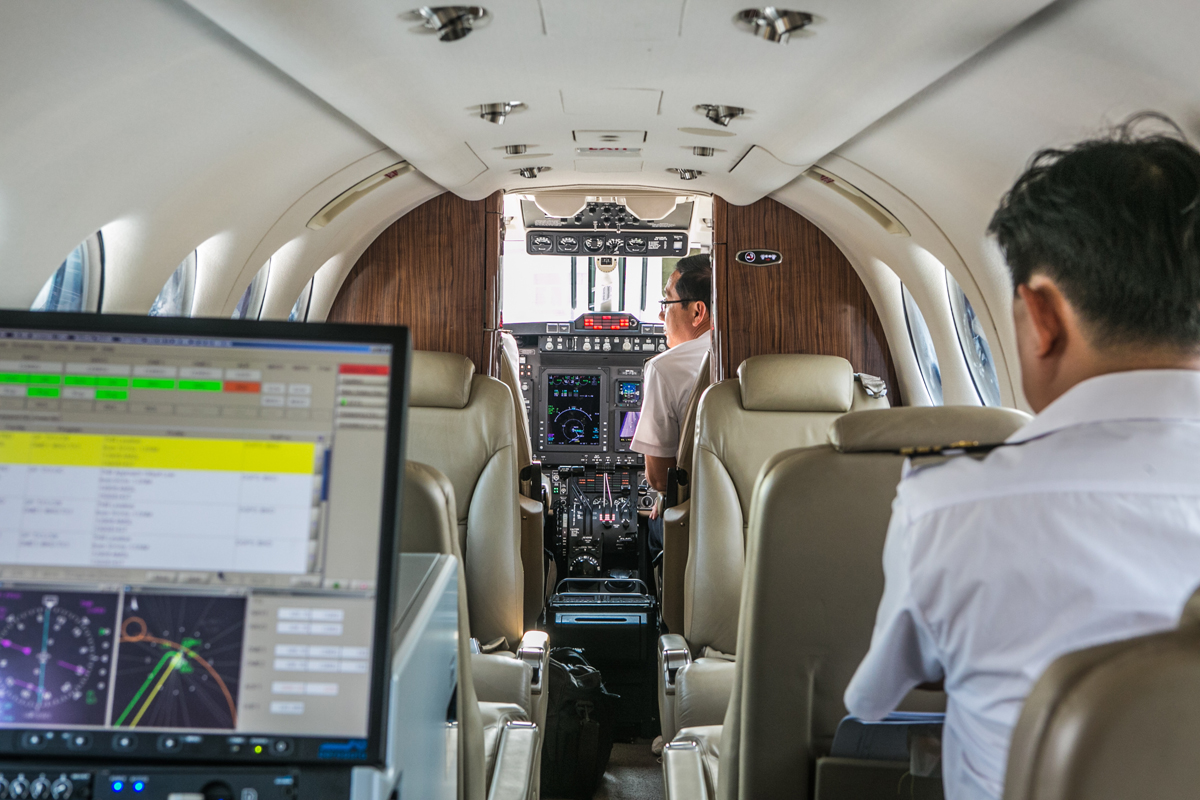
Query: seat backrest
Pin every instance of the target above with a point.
(687, 430)
(462, 424)
(430, 525)
(510, 376)
(1116, 721)
(813, 581)
(777, 402)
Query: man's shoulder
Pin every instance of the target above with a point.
(681, 357)
(1125, 457)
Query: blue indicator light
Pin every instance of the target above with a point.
(118, 786)
(139, 786)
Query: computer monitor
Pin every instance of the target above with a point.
(198, 523)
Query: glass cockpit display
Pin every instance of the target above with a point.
(573, 412)
(192, 546)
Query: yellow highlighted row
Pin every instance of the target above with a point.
(154, 452)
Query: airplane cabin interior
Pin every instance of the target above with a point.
(334, 329)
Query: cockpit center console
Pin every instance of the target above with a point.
(582, 382)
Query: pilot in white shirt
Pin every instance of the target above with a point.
(1084, 527)
(669, 377)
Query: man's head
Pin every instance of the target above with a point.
(687, 300)
(1103, 243)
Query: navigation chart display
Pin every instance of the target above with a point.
(191, 536)
(573, 410)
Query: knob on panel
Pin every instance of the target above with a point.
(40, 789)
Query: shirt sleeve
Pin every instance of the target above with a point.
(657, 431)
(902, 653)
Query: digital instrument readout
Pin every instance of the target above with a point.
(629, 423)
(629, 393)
(573, 410)
(609, 322)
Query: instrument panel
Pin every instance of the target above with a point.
(582, 382)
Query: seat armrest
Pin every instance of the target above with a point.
(535, 651)
(683, 771)
(676, 521)
(513, 776)
(502, 678)
(673, 655)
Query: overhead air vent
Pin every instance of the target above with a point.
(869, 205)
(686, 174)
(498, 112)
(722, 115)
(516, 149)
(772, 24)
(450, 23)
(355, 193)
(531, 172)
(704, 152)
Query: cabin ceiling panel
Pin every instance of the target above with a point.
(420, 96)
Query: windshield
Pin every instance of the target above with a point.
(547, 288)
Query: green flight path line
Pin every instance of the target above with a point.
(141, 691)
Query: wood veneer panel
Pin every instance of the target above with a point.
(431, 270)
(814, 302)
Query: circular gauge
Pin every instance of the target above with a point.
(593, 244)
(49, 656)
(540, 243)
(636, 244)
(575, 425)
(568, 244)
(614, 245)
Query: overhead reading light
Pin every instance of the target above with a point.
(496, 112)
(705, 152)
(771, 23)
(686, 174)
(722, 115)
(531, 172)
(451, 23)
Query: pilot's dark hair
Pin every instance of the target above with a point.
(1115, 222)
(695, 279)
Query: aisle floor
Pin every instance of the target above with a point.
(634, 773)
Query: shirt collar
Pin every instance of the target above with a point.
(1137, 394)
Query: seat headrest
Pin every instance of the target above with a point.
(440, 380)
(927, 429)
(796, 383)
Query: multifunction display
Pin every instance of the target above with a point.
(629, 393)
(189, 541)
(573, 410)
(629, 422)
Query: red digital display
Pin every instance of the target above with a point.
(608, 322)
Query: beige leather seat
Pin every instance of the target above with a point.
(777, 402)
(496, 747)
(462, 424)
(1117, 721)
(677, 519)
(530, 481)
(811, 588)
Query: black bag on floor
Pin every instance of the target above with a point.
(579, 727)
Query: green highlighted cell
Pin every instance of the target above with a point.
(24, 377)
(42, 391)
(111, 394)
(94, 380)
(152, 383)
(199, 386)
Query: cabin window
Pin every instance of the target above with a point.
(922, 345)
(299, 312)
(175, 299)
(250, 306)
(545, 288)
(974, 345)
(76, 285)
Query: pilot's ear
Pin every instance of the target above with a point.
(1042, 315)
(700, 313)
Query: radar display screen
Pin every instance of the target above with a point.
(573, 410)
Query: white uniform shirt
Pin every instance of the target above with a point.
(667, 384)
(1086, 532)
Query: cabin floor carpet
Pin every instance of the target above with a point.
(634, 773)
